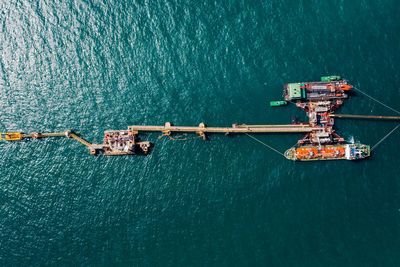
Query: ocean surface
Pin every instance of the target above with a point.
(92, 66)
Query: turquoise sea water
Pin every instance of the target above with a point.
(92, 66)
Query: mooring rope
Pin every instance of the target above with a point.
(398, 112)
(383, 104)
(261, 142)
(386, 136)
(295, 144)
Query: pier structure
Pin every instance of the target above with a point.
(318, 99)
(202, 129)
(365, 117)
(318, 113)
(127, 142)
(18, 136)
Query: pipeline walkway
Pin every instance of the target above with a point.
(81, 140)
(18, 136)
(124, 142)
(243, 128)
(367, 117)
(42, 135)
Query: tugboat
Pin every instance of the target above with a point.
(277, 103)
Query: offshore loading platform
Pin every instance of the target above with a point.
(318, 99)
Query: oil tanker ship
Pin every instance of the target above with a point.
(328, 152)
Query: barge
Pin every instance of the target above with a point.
(326, 89)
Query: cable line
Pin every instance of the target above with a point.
(386, 136)
(383, 104)
(261, 142)
(398, 112)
